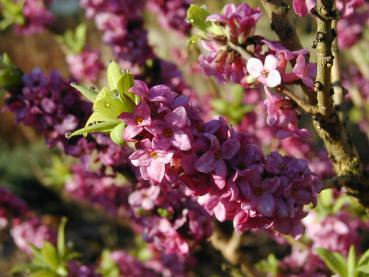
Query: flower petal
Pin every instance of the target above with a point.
(273, 79)
(254, 67)
(206, 162)
(156, 171)
(181, 140)
(299, 6)
(178, 117)
(140, 158)
(266, 204)
(271, 62)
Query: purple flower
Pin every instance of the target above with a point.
(213, 159)
(306, 72)
(282, 116)
(31, 232)
(216, 59)
(86, 65)
(37, 17)
(151, 160)
(136, 121)
(302, 7)
(171, 130)
(144, 198)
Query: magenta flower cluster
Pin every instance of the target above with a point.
(31, 232)
(229, 176)
(85, 66)
(122, 25)
(172, 14)
(217, 59)
(11, 207)
(49, 104)
(37, 17)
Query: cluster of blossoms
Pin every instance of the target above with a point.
(25, 228)
(172, 14)
(229, 176)
(218, 59)
(54, 108)
(86, 65)
(302, 263)
(235, 27)
(335, 232)
(255, 123)
(130, 266)
(10, 207)
(122, 25)
(31, 232)
(49, 104)
(98, 190)
(267, 64)
(36, 17)
(167, 219)
(76, 269)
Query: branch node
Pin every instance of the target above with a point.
(320, 36)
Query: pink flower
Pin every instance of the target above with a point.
(86, 65)
(213, 159)
(306, 72)
(170, 130)
(282, 115)
(144, 198)
(136, 121)
(32, 232)
(151, 160)
(266, 73)
(302, 7)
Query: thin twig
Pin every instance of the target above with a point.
(308, 108)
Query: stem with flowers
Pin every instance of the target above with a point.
(331, 129)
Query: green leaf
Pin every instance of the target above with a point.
(108, 268)
(116, 134)
(114, 74)
(61, 238)
(163, 212)
(125, 82)
(335, 261)
(351, 262)
(80, 37)
(43, 273)
(269, 265)
(98, 127)
(109, 105)
(219, 105)
(326, 197)
(197, 17)
(50, 255)
(238, 94)
(10, 75)
(364, 259)
(89, 93)
(363, 268)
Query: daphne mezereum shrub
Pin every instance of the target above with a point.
(234, 157)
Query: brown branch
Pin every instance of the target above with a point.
(324, 38)
(307, 107)
(277, 11)
(327, 123)
(230, 248)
